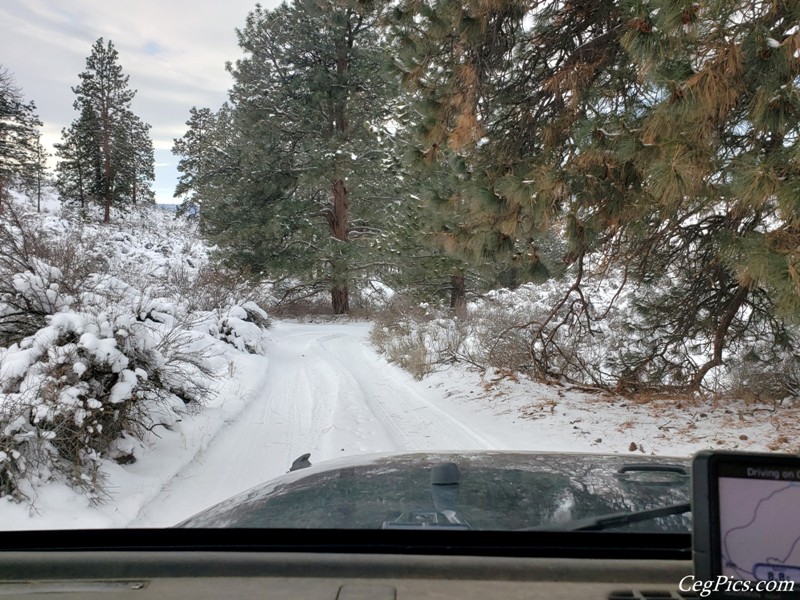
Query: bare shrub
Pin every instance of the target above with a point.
(398, 334)
(498, 338)
(498, 331)
(214, 288)
(752, 379)
(300, 300)
(417, 337)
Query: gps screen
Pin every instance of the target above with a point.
(759, 523)
(746, 524)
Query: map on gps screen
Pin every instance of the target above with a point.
(760, 528)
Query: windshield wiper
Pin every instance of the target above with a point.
(618, 519)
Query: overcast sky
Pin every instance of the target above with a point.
(173, 50)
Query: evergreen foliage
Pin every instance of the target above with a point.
(21, 156)
(199, 149)
(135, 156)
(79, 172)
(36, 175)
(661, 134)
(106, 154)
(306, 180)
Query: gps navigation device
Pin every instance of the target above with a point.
(746, 525)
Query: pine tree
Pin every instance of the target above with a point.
(722, 167)
(461, 61)
(107, 143)
(202, 159)
(35, 172)
(79, 172)
(662, 134)
(133, 153)
(18, 133)
(308, 105)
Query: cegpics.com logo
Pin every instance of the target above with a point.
(730, 585)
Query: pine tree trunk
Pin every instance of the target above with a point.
(458, 293)
(2, 188)
(340, 300)
(97, 188)
(338, 223)
(107, 161)
(81, 192)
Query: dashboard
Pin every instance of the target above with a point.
(343, 565)
(312, 576)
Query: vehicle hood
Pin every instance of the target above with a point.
(485, 490)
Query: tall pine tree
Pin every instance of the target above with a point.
(107, 152)
(307, 183)
(207, 158)
(19, 133)
(79, 172)
(35, 174)
(663, 134)
(133, 154)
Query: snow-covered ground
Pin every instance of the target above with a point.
(321, 388)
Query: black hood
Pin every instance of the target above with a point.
(481, 490)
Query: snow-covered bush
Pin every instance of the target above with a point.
(100, 339)
(17, 438)
(598, 333)
(242, 326)
(38, 273)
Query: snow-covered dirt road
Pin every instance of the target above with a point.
(323, 391)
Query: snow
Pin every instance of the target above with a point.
(14, 362)
(124, 387)
(300, 387)
(321, 388)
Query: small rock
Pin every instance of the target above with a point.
(125, 459)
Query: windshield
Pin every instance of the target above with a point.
(392, 265)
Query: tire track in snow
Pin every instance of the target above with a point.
(391, 395)
(323, 392)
